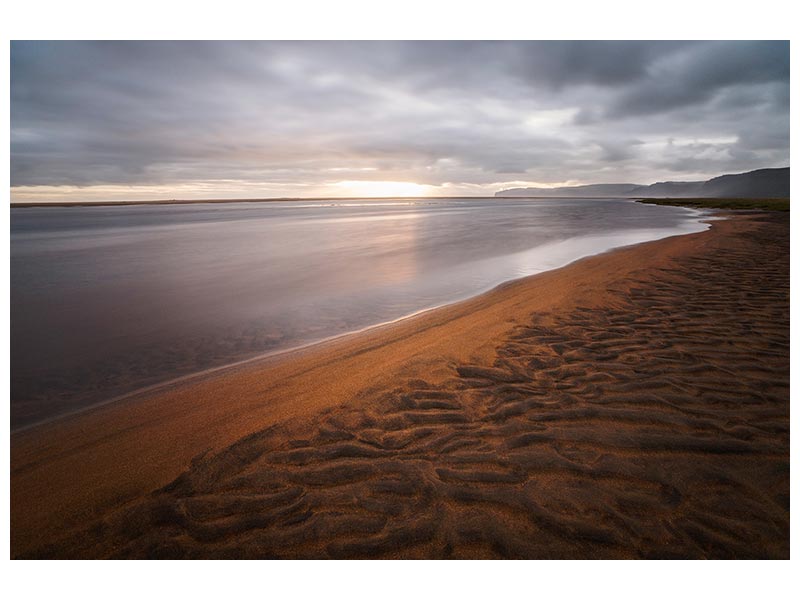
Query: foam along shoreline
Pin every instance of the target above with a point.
(512, 367)
(533, 261)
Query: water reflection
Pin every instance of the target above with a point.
(106, 300)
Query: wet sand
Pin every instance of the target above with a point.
(632, 404)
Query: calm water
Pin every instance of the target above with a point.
(107, 300)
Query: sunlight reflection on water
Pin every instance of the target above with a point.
(109, 299)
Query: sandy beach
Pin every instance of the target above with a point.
(633, 404)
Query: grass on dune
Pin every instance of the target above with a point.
(723, 203)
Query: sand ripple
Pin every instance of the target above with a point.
(654, 427)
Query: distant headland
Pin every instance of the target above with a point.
(762, 183)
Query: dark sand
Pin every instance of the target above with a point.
(634, 404)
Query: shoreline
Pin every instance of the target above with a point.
(251, 362)
(112, 456)
(703, 217)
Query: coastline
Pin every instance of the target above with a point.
(564, 253)
(111, 456)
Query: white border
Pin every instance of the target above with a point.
(362, 19)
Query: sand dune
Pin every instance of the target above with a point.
(634, 404)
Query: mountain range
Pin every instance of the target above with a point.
(762, 183)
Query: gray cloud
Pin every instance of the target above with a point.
(458, 114)
(696, 74)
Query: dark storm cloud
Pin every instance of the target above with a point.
(563, 63)
(456, 113)
(692, 77)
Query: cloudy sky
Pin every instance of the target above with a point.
(150, 120)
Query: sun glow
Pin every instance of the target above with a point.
(381, 189)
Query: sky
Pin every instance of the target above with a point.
(190, 120)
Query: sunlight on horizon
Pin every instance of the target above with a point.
(232, 190)
(382, 189)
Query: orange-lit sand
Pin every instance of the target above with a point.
(633, 404)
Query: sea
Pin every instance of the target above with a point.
(110, 300)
